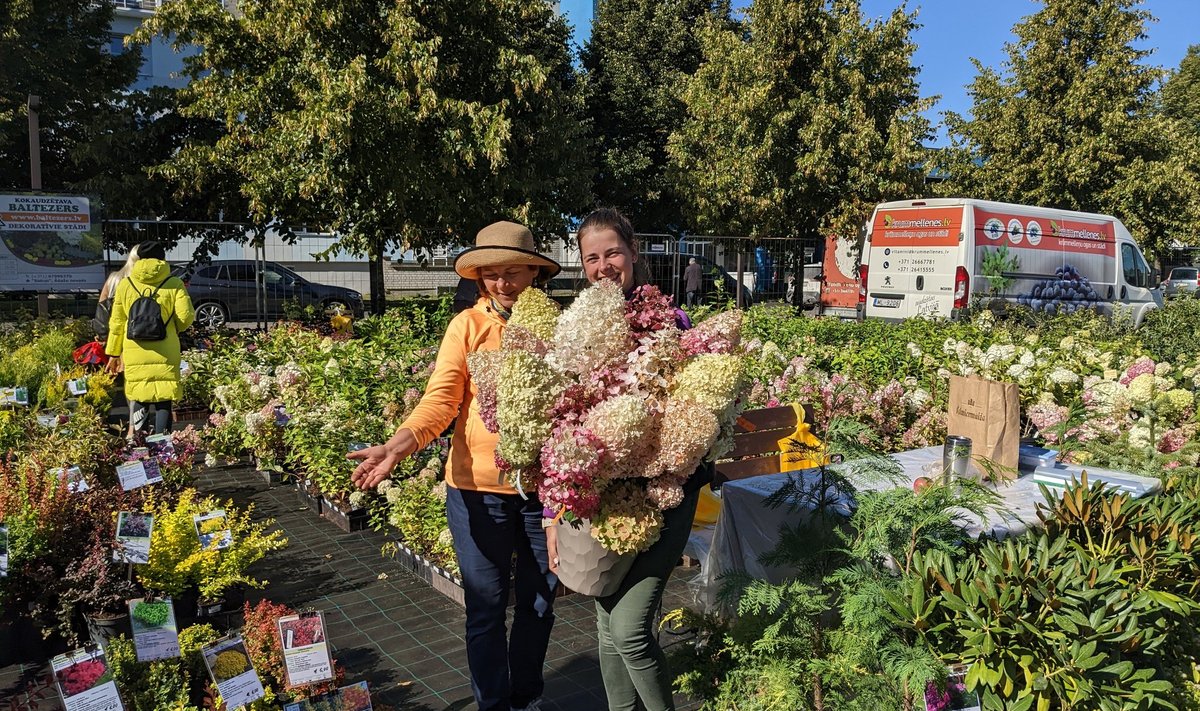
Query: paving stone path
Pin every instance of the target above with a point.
(387, 626)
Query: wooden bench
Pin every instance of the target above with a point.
(756, 443)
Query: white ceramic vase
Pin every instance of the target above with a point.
(587, 567)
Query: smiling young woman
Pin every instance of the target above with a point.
(632, 663)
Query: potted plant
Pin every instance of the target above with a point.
(181, 567)
(97, 588)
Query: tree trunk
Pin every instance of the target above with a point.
(378, 290)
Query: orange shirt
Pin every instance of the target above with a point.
(450, 394)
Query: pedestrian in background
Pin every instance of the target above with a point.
(691, 281)
(152, 378)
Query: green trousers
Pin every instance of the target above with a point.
(632, 663)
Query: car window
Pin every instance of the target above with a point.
(1183, 273)
(240, 272)
(210, 272)
(273, 278)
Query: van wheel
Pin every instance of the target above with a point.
(210, 316)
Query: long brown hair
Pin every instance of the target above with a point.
(610, 218)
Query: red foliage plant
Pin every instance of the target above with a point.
(261, 636)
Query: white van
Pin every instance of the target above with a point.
(929, 257)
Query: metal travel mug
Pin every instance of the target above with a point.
(956, 457)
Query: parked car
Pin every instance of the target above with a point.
(1181, 281)
(223, 290)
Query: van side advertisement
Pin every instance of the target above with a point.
(1049, 264)
(839, 288)
(50, 243)
(917, 227)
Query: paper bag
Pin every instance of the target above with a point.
(988, 412)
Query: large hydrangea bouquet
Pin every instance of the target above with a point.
(608, 406)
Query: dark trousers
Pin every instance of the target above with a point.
(488, 530)
(632, 663)
(139, 416)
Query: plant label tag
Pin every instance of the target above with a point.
(212, 529)
(355, 697)
(305, 649)
(133, 537)
(155, 634)
(231, 670)
(160, 446)
(85, 682)
(3, 551)
(185, 369)
(47, 419)
(73, 477)
(134, 475)
(77, 387)
(18, 395)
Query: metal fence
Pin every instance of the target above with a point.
(239, 277)
(736, 269)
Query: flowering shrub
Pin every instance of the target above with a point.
(611, 416)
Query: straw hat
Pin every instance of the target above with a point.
(503, 244)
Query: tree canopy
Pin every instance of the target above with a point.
(1071, 122)
(639, 53)
(1181, 92)
(799, 120)
(57, 50)
(389, 122)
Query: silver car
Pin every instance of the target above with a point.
(1182, 281)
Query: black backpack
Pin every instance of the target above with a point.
(145, 316)
(103, 314)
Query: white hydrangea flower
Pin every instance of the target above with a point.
(1062, 376)
(914, 350)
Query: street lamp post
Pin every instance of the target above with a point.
(35, 177)
(35, 148)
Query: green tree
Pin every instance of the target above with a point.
(799, 120)
(1071, 123)
(410, 124)
(1181, 92)
(633, 102)
(57, 50)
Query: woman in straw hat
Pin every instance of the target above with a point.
(489, 520)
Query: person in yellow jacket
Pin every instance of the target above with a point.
(491, 523)
(151, 367)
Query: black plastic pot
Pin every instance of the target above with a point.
(105, 626)
(342, 517)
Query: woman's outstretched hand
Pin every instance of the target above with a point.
(377, 463)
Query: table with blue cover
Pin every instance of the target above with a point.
(748, 527)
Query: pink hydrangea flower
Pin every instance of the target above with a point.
(1141, 366)
(648, 309)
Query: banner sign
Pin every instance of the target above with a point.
(50, 243)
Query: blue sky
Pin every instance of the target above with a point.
(954, 31)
